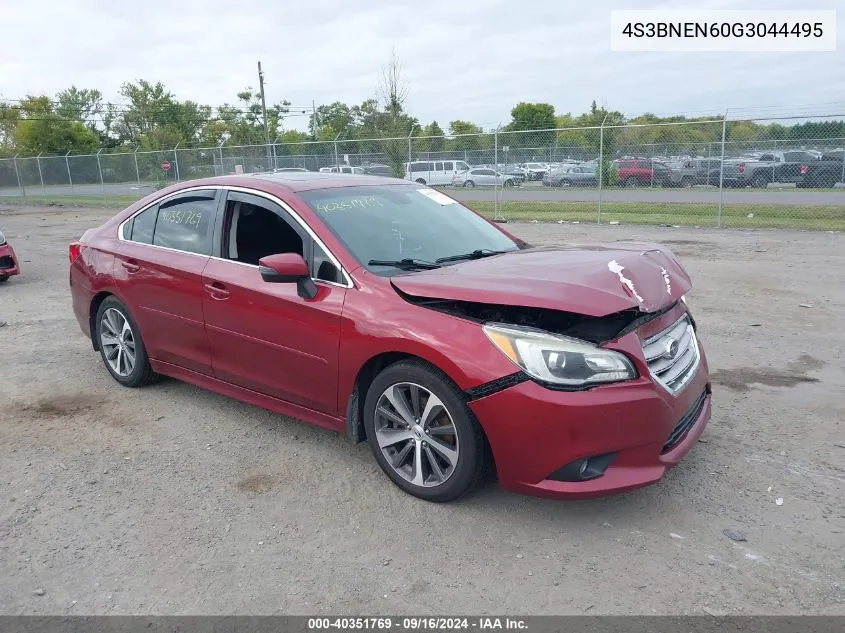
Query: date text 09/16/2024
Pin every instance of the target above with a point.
(416, 623)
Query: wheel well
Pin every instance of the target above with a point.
(366, 375)
(355, 406)
(92, 317)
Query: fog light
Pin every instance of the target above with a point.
(584, 469)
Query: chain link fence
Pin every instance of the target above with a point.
(720, 172)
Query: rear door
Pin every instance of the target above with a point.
(158, 271)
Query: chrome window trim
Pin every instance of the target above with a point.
(247, 190)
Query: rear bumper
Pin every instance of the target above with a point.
(8, 262)
(534, 432)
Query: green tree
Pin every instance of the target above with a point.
(432, 139)
(531, 116)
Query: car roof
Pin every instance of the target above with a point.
(299, 180)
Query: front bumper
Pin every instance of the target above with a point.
(8, 262)
(534, 431)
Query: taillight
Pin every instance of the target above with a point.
(741, 167)
(73, 251)
(804, 169)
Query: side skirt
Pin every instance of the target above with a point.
(250, 397)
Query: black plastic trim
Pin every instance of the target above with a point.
(495, 386)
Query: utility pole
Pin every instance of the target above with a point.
(264, 110)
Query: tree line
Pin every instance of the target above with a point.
(151, 117)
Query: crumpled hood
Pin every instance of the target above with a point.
(594, 280)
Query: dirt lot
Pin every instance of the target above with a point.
(172, 500)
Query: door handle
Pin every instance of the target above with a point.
(130, 266)
(217, 290)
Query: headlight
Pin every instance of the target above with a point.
(559, 360)
(2, 238)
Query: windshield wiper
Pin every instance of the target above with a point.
(476, 254)
(405, 264)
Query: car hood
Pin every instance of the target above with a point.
(593, 280)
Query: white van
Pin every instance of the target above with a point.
(434, 172)
(343, 169)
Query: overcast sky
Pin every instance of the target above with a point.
(468, 59)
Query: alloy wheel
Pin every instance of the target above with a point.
(118, 342)
(416, 434)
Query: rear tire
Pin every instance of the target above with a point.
(420, 181)
(686, 182)
(469, 183)
(402, 438)
(631, 182)
(759, 181)
(509, 183)
(121, 346)
(565, 183)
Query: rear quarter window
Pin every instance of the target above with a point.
(142, 226)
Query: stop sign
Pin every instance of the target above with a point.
(165, 165)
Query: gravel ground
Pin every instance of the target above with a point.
(173, 500)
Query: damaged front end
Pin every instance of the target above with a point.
(596, 330)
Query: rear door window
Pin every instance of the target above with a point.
(186, 223)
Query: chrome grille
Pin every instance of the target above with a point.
(673, 355)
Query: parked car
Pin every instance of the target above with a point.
(341, 169)
(392, 313)
(571, 176)
(485, 177)
(642, 172)
(278, 169)
(825, 172)
(9, 266)
(535, 171)
(377, 170)
(789, 167)
(688, 172)
(434, 172)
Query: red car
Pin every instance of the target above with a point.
(8, 260)
(388, 311)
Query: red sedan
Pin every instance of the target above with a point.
(8, 260)
(390, 312)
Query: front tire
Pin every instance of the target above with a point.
(469, 183)
(420, 181)
(422, 433)
(121, 346)
(3, 279)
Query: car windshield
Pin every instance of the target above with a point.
(391, 223)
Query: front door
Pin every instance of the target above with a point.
(263, 335)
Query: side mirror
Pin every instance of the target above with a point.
(288, 268)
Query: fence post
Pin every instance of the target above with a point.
(176, 162)
(496, 170)
(410, 134)
(336, 159)
(842, 178)
(40, 173)
(137, 171)
(18, 174)
(67, 164)
(100, 169)
(220, 149)
(601, 164)
(722, 171)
